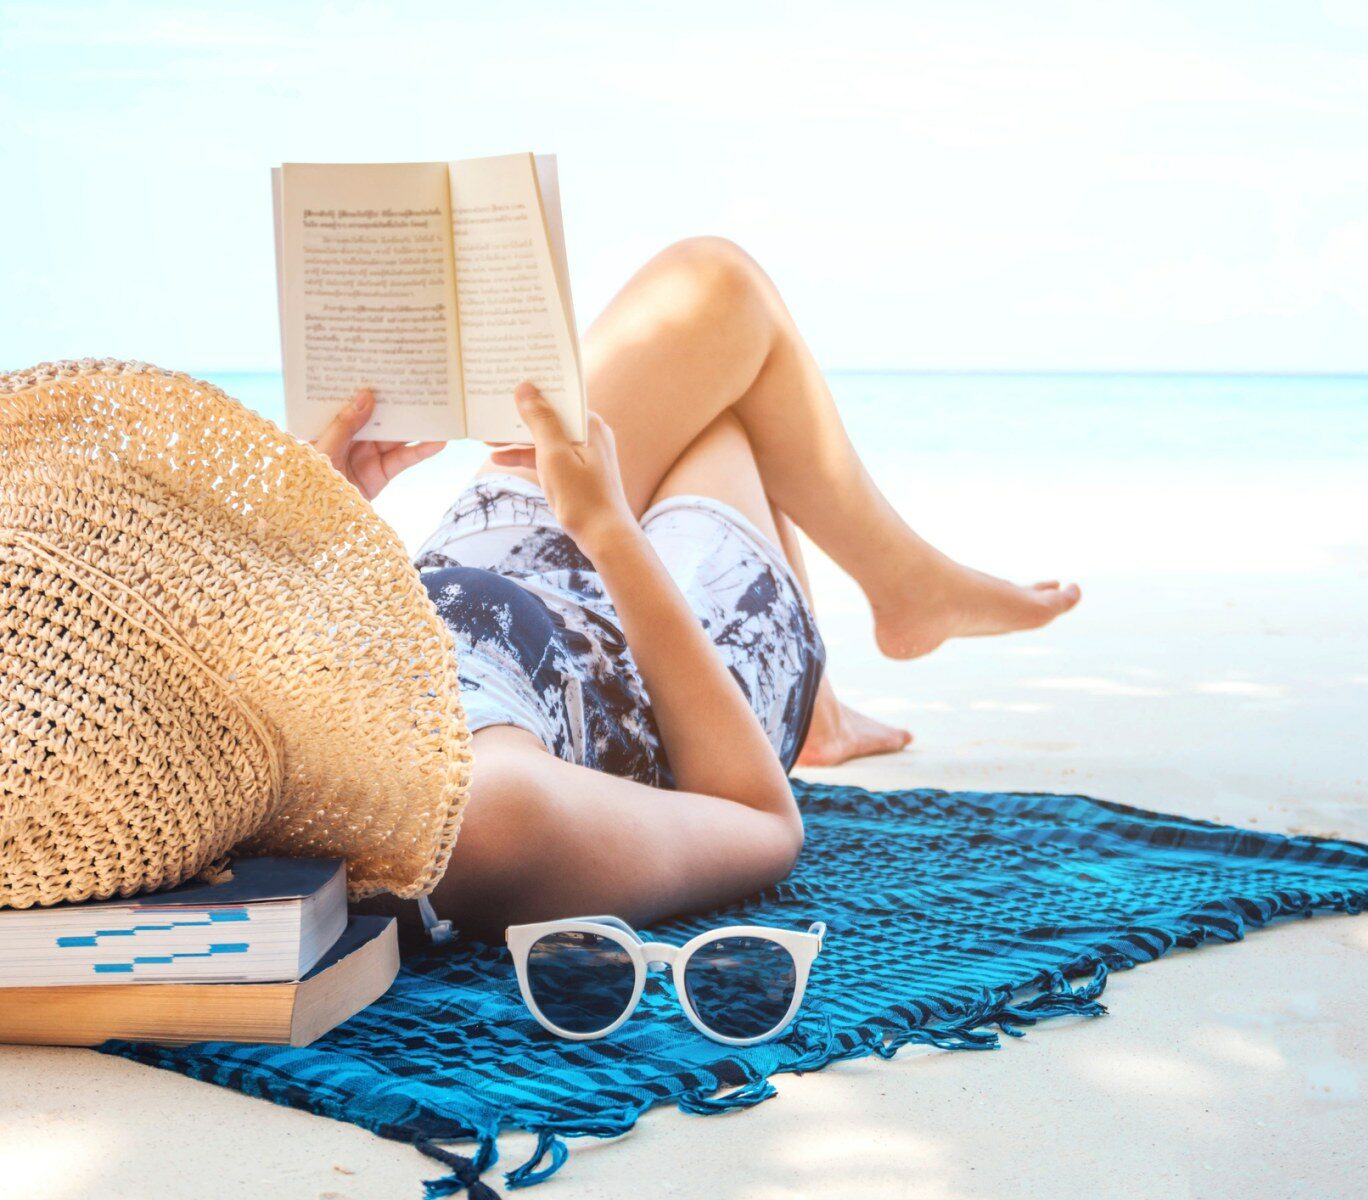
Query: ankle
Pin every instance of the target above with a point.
(907, 571)
(923, 588)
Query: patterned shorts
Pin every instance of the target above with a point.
(538, 641)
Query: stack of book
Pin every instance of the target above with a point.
(267, 955)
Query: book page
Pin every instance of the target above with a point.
(548, 182)
(513, 324)
(368, 298)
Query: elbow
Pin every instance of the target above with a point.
(796, 836)
(786, 845)
(787, 822)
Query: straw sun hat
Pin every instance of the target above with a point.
(208, 641)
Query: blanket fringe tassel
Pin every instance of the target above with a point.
(816, 1051)
(465, 1172)
(755, 1090)
(962, 1030)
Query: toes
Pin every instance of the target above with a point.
(1046, 604)
(887, 739)
(882, 745)
(1065, 598)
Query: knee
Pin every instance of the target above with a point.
(712, 253)
(722, 273)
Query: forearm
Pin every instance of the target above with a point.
(715, 743)
(714, 740)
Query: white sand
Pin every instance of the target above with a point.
(1184, 683)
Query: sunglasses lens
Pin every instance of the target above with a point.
(581, 982)
(741, 987)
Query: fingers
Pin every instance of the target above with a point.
(514, 456)
(539, 417)
(343, 428)
(600, 431)
(402, 457)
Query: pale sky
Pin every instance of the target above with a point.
(1154, 186)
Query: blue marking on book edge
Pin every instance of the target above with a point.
(238, 914)
(214, 948)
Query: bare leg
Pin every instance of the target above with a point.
(838, 732)
(720, 463)
(701, 330)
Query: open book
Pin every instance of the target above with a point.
(440, 286)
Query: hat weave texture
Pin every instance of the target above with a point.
(208, 641)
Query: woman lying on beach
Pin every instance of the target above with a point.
(660, 560)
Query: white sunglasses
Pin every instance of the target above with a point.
(741, 984)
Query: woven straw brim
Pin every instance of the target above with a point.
(128, 763)
(274, 575)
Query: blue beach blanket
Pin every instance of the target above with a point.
(953, 918)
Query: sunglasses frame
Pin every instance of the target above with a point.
(646, 956)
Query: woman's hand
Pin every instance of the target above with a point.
(369, 465)
(582, 482)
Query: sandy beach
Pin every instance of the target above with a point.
(1087, 283)
(1218, 667)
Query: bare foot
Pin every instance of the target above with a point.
(956, 601)
(839, 733)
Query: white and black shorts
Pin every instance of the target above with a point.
(538, 641)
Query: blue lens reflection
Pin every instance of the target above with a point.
(582, 982)
(741, 987)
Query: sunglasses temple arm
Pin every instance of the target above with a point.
(615, 923)
(818, 930)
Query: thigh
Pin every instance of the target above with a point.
(680, 343)
(726, 554)
(720, 464)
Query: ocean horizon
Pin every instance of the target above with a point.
(1125, 415)
(1031, 474)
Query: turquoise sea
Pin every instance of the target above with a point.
(1174, 418)
(1138, 471)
